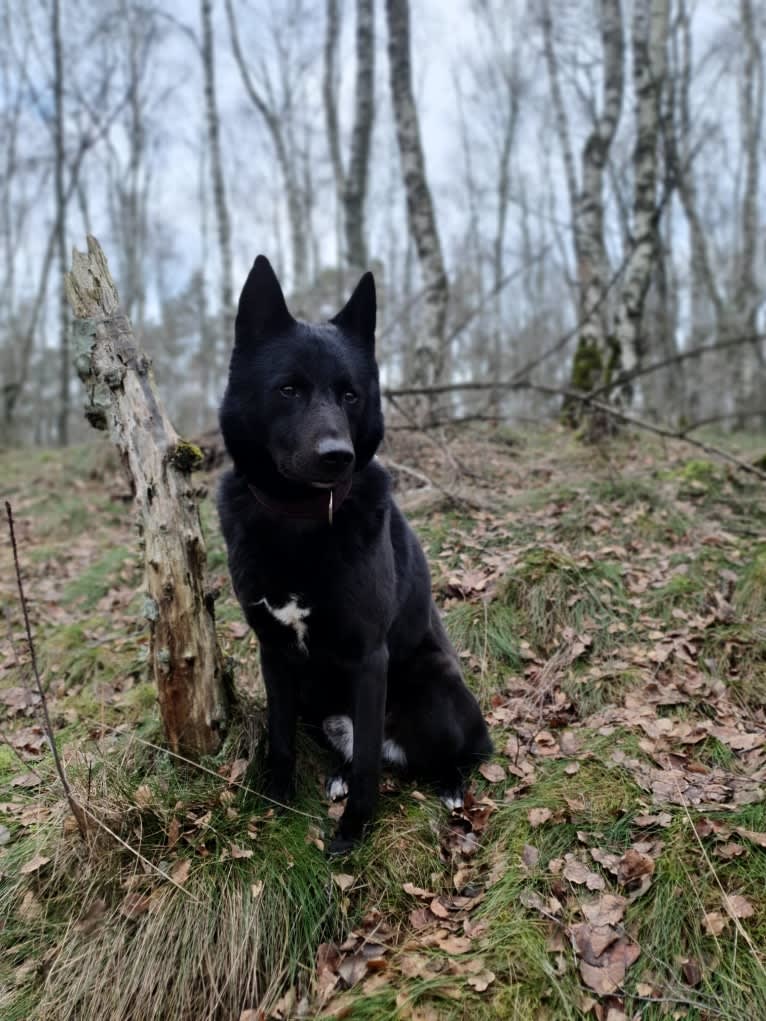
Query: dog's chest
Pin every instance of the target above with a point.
(292, 615)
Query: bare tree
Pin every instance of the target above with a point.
(216, 171)
(351, 182)
(65, 368)
(275, 94)
(595, 356)
(649, 43)
(429, 354)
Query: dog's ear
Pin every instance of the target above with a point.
(262, 308)
(358, 314)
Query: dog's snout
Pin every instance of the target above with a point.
(335, 453)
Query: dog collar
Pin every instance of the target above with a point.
(321, 506)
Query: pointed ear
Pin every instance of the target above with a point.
(358, 314)
(262, 308)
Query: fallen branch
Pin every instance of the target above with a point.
(657, 429)
(77, 809)
(587, 399)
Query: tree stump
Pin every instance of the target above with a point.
(183, 650)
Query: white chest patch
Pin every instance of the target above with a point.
(291, 615)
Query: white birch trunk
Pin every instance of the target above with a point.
(223, 223)
(649, 43)
(429, 354)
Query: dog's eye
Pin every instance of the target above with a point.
(289, 391)
(350, 397)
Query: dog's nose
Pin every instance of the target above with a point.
(335, 453)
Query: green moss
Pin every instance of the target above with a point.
(186, 457)
(587, 367)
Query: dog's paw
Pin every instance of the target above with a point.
(453, 799)
(336, 788)
(341, 845)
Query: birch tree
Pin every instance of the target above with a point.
(429, 354)
(65, 368)
(351, 181)
(220, 205)
(649, 44)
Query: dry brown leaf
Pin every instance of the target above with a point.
(143, 796)
(174, 832)
(714, 922)
(438, 908)
(729, 850)
(538, 816)
(739, 906)
(752, 835)
(492, 771)
(353, 969)
(607, 977)
(421, 918)
(34, 864)
(240, 852)
(482, 980)
(30, 779)
(418, 891)
(134, 904)
(252, 1014)
(607, 910)
(530, 856)
(454, 944)
(576, 872)
(415, 965)
(343, 880)
(590, 941)
(237, 770)
(180, 871)
(692, 971)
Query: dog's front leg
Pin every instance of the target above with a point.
(369, 714)
(282, 709)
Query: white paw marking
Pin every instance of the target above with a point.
(452, 801)
(339, 731)
(337, 789)
(291, 615)
(393, 753)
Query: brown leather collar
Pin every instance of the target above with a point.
(322, 505)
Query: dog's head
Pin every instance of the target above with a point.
(303, 400)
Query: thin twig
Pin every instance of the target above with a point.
(77, 809)
(211, 772)
(585, 398)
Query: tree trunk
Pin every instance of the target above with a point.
(219, 187)
(748, 370)
(355, 189)
(429, 350)
(183, 651)
(595, 355)
(65, 367)
(649, 32)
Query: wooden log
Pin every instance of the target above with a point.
(183, 651)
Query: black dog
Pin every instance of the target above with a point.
(326, 569)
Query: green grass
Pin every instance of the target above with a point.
(569, 534)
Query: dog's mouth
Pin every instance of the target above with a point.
(314, 481)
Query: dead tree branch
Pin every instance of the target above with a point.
(183, 650)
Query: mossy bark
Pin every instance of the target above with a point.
(183, 649)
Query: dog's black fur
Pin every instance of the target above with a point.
(348, 630)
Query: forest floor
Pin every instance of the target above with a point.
(609, 606)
